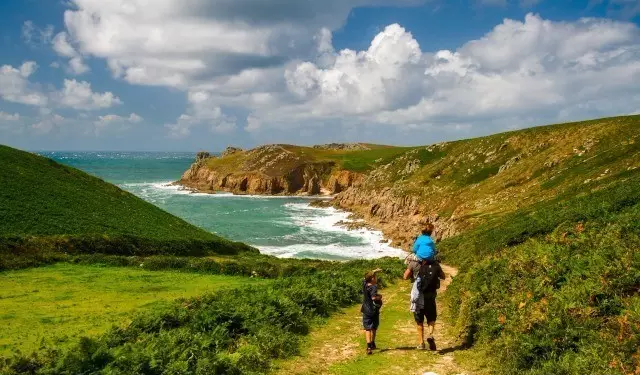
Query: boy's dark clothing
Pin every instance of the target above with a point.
(370, 313)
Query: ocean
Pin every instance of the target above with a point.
(281, 226)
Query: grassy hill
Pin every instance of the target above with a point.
(460, 185)
(46, 206)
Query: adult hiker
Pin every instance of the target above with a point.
(423, 300)
(424, 248)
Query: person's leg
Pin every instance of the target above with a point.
(419, 318)
(432, 328)
(420, 333)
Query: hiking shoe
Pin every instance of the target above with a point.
(421, 346)
(369, 351)
(432, 344)
(373, 345)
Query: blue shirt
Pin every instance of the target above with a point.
(425, 248)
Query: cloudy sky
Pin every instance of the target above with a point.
(203, 74)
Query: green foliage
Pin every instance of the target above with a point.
(47, 208)
(366, 160)
(554, 289)
(59, 303)
(232, 332)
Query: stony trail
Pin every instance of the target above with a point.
(338, 346)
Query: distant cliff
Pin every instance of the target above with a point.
(273, 170)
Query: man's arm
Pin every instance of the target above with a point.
(441, 274)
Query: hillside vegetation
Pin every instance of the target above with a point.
(226, 332)
(554, 288)
(47, 207)
(460, 185)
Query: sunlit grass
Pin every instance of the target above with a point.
(59, 303)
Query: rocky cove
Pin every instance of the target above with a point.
(398, 217)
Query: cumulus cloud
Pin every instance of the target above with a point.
(15, 87)
(78, 95)
(274, 64)
(180, 43)
(116, 122)
(63, 48)
(534, 68)
(202, 111)
(107, 119)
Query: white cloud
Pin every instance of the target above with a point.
(116, 122)
(274, 64)
(532, 69)
(63, 48)
(106, 119)
(4, 116)
(15, 86)
(180, 43)
(202, 111)
(78, 95)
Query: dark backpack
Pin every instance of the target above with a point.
(429, 277)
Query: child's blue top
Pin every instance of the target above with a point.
(424, 248)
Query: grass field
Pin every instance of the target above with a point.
(62, 302)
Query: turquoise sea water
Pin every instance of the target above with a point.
(280, 226)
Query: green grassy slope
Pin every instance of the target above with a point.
(554, 288)
(471, 181)
(45, 205)
(269, 160)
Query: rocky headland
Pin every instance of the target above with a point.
(269, 170)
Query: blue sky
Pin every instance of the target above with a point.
(195, 74)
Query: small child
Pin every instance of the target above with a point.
(371, 304)
(423, 249)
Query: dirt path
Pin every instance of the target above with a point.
(338, 347)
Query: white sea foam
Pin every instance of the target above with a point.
(313, 222)
(169, 188)
(371, 243)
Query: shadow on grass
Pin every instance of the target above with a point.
(400, 348)
(454, 349)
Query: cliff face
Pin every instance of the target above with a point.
(268, 170)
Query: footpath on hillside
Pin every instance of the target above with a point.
(338, 347)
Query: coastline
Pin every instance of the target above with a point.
(321, 232)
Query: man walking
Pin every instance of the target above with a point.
(423, 300)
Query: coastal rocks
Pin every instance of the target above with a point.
(342, 180)
(202, 155)
(267, 170)
(400, 217)
(230, 151)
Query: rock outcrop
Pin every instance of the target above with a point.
(269, 170)
(399, 217)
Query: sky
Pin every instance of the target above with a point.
(187, 75)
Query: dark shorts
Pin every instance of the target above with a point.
(370, 322)
(428, 311)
